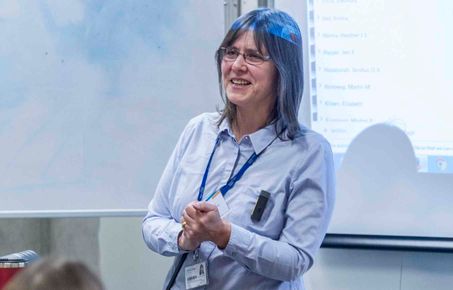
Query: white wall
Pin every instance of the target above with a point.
(126, 262)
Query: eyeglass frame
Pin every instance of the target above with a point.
(245, 56)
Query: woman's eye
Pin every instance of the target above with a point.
(231, 52)
(254, 56)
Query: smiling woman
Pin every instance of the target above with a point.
(250, 84)
(257, 212)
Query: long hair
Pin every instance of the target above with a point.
(279, 34)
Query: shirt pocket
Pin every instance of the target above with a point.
(242, 207)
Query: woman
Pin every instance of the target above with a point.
(269, 181)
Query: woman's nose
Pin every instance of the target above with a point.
(239, 63)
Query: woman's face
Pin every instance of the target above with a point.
(250, 86)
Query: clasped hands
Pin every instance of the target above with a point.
(201, 222)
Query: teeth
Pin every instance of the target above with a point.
(240, 82)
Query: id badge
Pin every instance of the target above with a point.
(196, 275)
(218, 200)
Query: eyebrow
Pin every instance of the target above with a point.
(248, 50)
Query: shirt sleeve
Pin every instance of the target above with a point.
(308, 212)
(160, 230)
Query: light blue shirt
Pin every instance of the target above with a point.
(272, 253)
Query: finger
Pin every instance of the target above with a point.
(193, 226)
(191, 211)
(188, 219)
(190, 204)
(205, 206)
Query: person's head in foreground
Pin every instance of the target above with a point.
(55, 274)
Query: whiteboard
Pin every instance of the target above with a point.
(93, 96)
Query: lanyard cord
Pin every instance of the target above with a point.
(232, 181)
(205, 175)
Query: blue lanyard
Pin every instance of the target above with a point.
(232, 181)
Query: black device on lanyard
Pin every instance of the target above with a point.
(260, 206)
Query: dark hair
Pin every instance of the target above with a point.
(279, 34)
(55, 274)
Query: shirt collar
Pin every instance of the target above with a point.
(224, 128)
(259, 139)
(262, 138)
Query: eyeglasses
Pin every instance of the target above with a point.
(230, 54)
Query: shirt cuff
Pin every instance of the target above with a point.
(171, 234)
(240, 240)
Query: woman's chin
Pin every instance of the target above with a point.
(238, 101)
